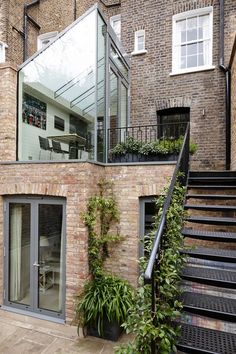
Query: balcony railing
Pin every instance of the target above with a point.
(161, 142)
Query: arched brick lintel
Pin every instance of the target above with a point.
(173, 102)
(46, 189)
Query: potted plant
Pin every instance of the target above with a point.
(104, 306)
(127, 151)
(106, 298)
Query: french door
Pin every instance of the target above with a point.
(35, 255)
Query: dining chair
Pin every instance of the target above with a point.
(44, 145)
(56, 147)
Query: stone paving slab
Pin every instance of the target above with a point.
(21, 334)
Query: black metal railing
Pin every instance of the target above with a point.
(153, 263)
(160, 142)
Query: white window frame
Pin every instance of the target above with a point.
(3, 47)
(185, 15)
(137, 34)
(45, 36)
(113, 19)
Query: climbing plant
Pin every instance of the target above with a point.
(102, 213)
(159, 327)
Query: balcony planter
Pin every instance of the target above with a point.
(127, 157)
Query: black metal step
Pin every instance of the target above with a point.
(198, 340)
(224, 173)
(218, 255)
(210, 235)
(211, 220)
(210, 276)
(211, 196)
(211, 186)
(212, 306)
(210, 207)
(201, 179)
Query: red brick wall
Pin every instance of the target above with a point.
(77, 182)
(8, 81)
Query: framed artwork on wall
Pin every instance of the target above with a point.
(34, 111)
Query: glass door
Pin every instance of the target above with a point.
(35, 256)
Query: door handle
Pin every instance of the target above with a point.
(36, 264)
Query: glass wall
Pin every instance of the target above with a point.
(63, 94)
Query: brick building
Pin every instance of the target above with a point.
(166, 70)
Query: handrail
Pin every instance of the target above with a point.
(184, 155)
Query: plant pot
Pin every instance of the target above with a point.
(111, 331)
(128, 157)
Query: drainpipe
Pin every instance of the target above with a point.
(75, 9)
(25, 26)
(227, 73)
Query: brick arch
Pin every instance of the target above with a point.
(173, 102)
(46, 189)
(191, 5)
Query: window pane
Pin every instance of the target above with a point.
(19, 253)
(183, 62)
(140, 40)
(192, 34)
(183, 36)
(192, 49)
(203, 20)
(124, 104)
(180, 31)
(200, 47)
(192, 23)
(50, 246)
(183, 50)
(191, 61)
(200, 60)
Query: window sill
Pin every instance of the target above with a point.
(139, 52)
(192, 70)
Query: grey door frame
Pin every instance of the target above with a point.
(34, 291)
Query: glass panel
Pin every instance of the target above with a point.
(192, 35)
(114, 132)
(140, 40)
(191, 61)
(51, 245)
(192, 49)
(124, 106)
(19, 253)
(183, 63)
(183, 50)
(191, 22)
(118, 62)
(200, 60)
(101, 91)
(180, 31)
(60, 81)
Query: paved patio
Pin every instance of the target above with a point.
(23, 334)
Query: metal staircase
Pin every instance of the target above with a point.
(208, 324)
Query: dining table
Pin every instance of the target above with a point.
(74, 141)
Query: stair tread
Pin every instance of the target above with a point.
(212, 252)
(211, 219)
(210, 207)
(210, 186)
(211, 196)
(209, 302)
(211, 234)
(206, 340)
(213, 178)
(210, 274)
